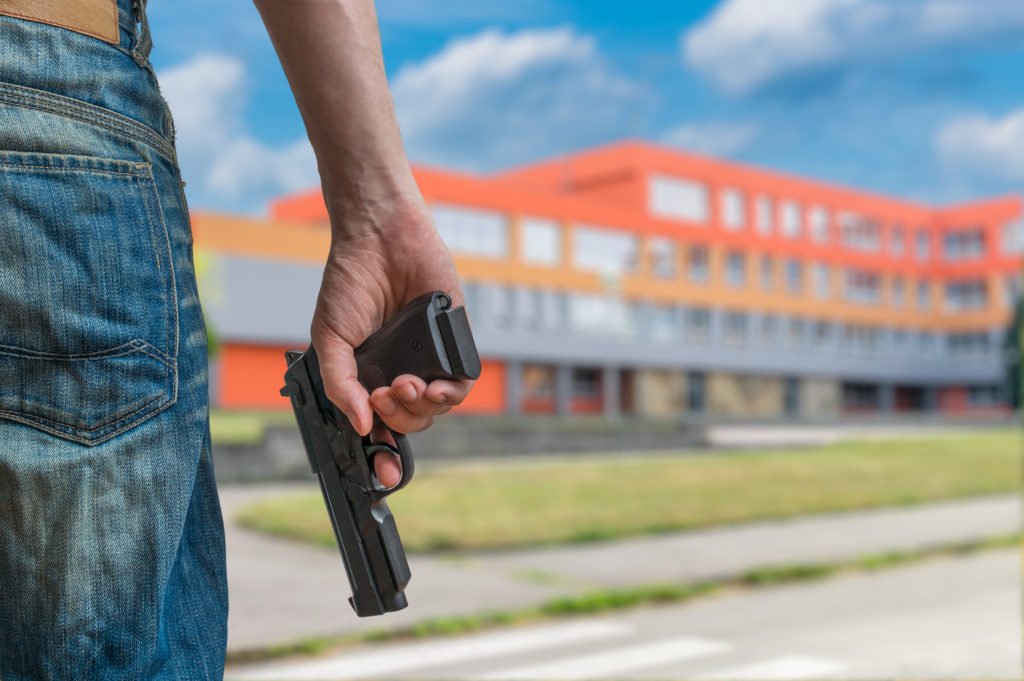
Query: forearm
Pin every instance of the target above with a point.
(331, 53)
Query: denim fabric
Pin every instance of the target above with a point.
(111, 540)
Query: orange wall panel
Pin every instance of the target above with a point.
(488, 395)
(250, 377)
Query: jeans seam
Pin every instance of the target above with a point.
(172, 308)
(27, 353)
(68, 431)
(82, 111)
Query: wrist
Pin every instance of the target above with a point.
(377, 216)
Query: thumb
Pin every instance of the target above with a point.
(341, 382)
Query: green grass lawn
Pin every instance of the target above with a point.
(589, 499)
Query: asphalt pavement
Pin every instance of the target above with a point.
(947, 618)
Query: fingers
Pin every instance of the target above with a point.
(410, 404)
(387, 466)
(449, 393)
(341, 383)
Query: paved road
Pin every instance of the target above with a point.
(283, 591)
(951, 618)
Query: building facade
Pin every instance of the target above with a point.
(634, 279)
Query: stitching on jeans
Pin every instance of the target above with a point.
(172, 308)
(68, 169)
(46, 427)
(85, 112)
(42, 420)
(42, 354)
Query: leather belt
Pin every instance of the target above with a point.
(96, 18)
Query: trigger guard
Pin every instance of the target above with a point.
(404, 458)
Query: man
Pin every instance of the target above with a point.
(111, 540)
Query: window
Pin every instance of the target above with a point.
(699, 264)
(924, 295)
(679, 199)
(542, 242)
(861, 340)
(1013, 238)
(1013, 287)
(791, 396)
(528, 307)
(599, 315)
(926, 344)
(969, 344)
(796, 333)
(863, 287)
(695, 392)
(898, 294)
(586, 383)
(765, 217)
(472, 232)
(985, 396)
(964, 244)
(735, 269)
(769, 329)
(604, 250)
(497, 302)
(791, 219)
(794, 276)
(663, 259)
(896, 242)
(819, 224)
(553, 313)
(736, 324)
(734, 209)
(901, 342)
(821, 334)
(698, 325)
(923, 246)
(821, 277)
(967, 295)
(860, 233)
(664, 322)
(767, 273)
(538, 383)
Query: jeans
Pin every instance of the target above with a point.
(111, 540)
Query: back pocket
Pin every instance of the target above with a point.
(88, 342)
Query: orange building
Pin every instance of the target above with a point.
(634, 279)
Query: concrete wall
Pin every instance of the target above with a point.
(748, 396)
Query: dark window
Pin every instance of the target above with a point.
(791, 396)
(695, 392)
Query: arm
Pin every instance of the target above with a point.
(384, 249)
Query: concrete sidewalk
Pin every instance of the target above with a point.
(282, 591)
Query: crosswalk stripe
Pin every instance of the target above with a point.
(395, 659)
(786, 668)
(613, 662)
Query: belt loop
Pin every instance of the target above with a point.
(144, 41)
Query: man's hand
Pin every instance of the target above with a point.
(384, 250)
(370, 276)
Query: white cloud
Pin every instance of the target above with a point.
(225, 165)
(979, 147)
(747, 45)
(712, 138)
(497, 98)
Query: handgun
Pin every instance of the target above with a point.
(428, 338)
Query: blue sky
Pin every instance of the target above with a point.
(922, 98)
